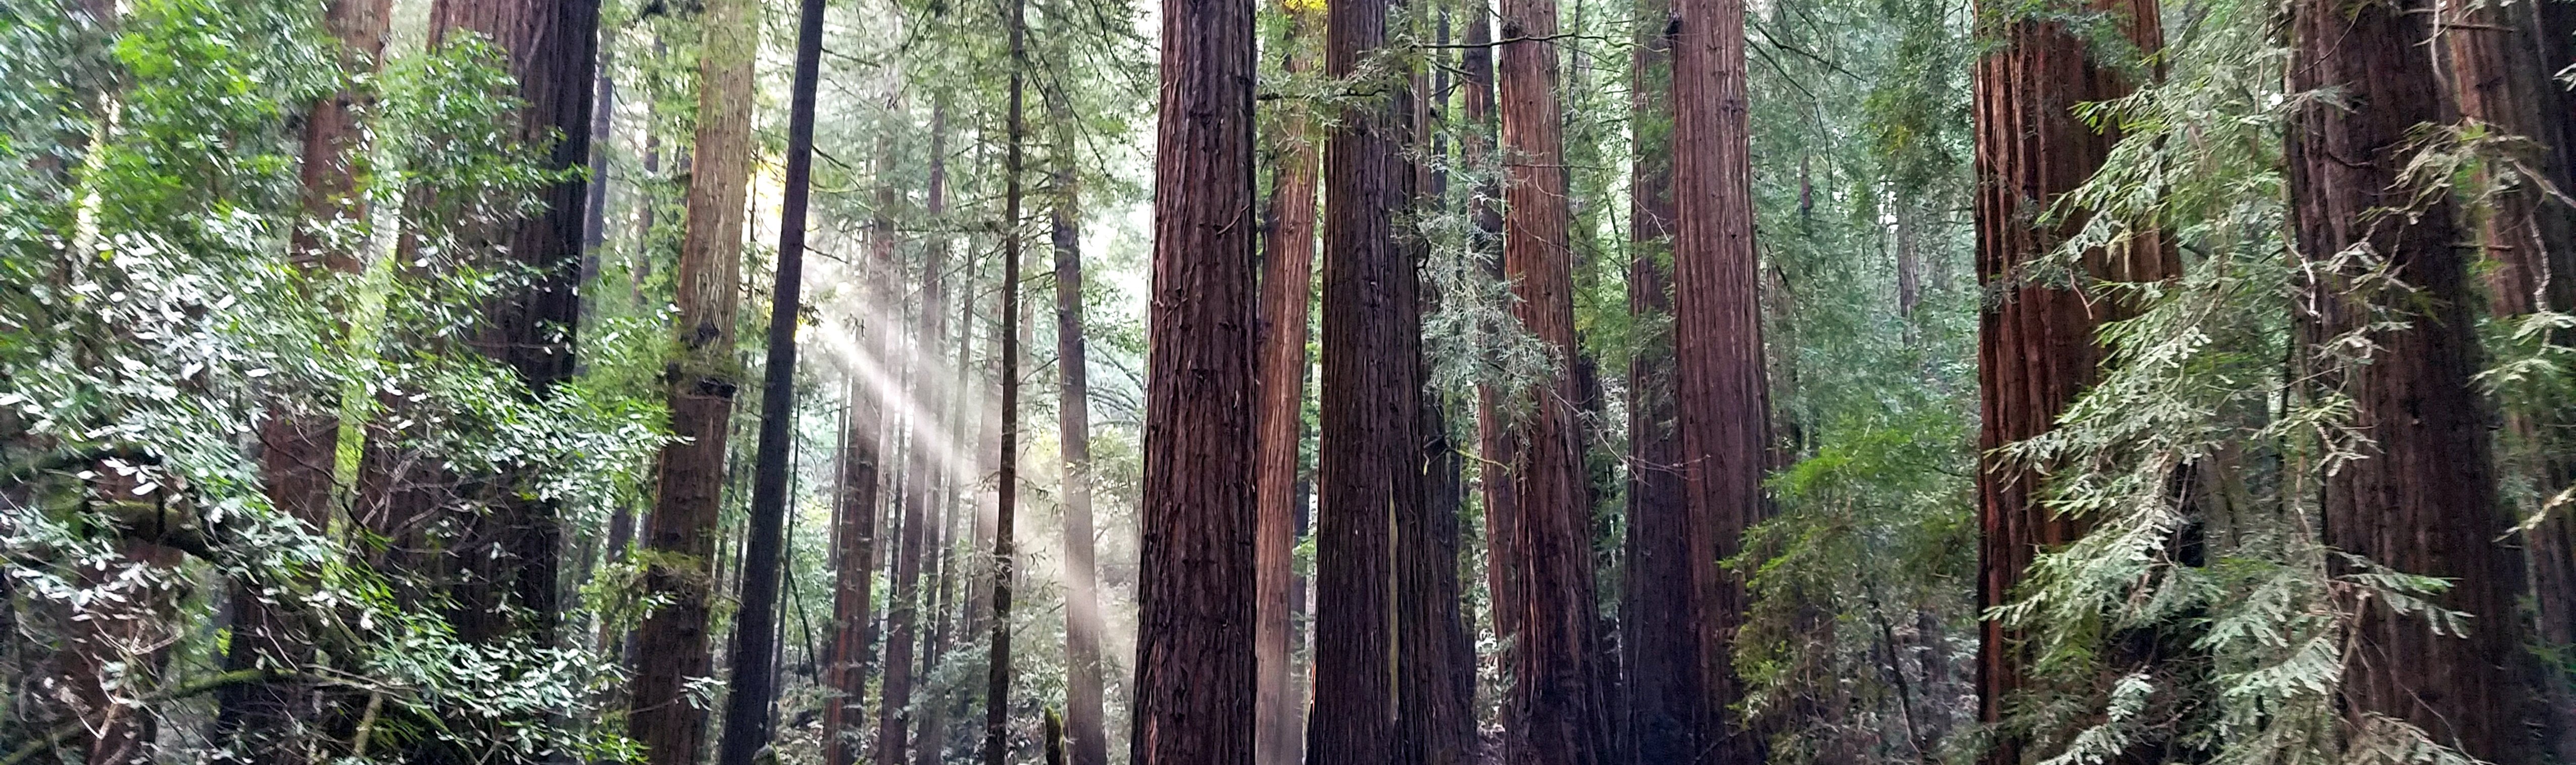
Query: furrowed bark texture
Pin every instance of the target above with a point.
(1083, 716)
(1666, 692)
(1194, 661)
(1434, 658)
(1368, 454)
(2423, 499)
(753, 685)
(1724, 410)
(299, 440)
(1560, 695)
(2035, 349)
(2502, 57)
(510, 555)
(672, 644)
(1287, 292)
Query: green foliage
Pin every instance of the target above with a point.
(151, 315)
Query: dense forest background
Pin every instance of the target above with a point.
(1559, 382)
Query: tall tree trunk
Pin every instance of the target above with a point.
(299, 440)
(1287, 294)
(1435, 715)
(753, 685)
(1006, 499)
(961, 529)
(853, 576)
(673, 643)
(1082, 622)
(1370, 450)
(2423, 500)
(855, 567)
(1663, 621)
(1196, 583)
(1494, 444)
(594, 218)
(1559, 695)
(2036, 351)
(511, 554)
(904, 622)
(2502, 59)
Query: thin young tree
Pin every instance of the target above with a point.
(1083, 716)
(674, 642)
(1194, 656)
(1559, 693)
(867, 443)
(2421, 497)
(904, 620)
(1287, 294)
(1006, 502)
(747, 707)
(2036, 350)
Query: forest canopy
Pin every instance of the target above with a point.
(1235, 382)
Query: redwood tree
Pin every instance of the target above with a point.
(906, 604)
(2422, 499)
(2035, 343)
(1369, 453)
(752, 687)
(1287, 293)
(1194, 658)
(1666, 695)
(1082, 622)
(1006, 499)
(509, 557)
(854, 549)
(2502, 60)
(299, 439)
(1560, 704)
(672, 644)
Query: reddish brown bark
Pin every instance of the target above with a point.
(511, 554)
(1287, 292)
(2502, 58)
(1368, 455)
(1723, 414)
(1666, 695)
(1560, 695)
(2423, 499)
(2036, 349)
(672, 644)
(1434, 658)
(299, 440)
(1196, 591)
